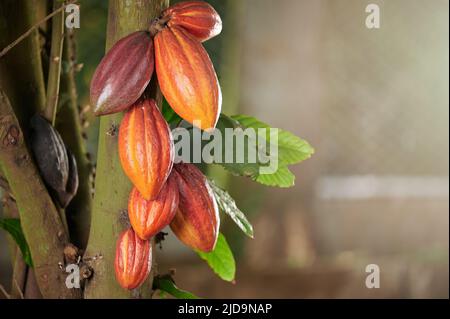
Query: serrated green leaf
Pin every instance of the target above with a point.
(221, 259)
(281, 178)
(247, 168)
(291, 148)
(227, 204)
(166, 285)
(12, 226)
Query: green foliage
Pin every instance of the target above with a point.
(291, 150)
(221, 259)
(227, 205)
(12, 226)
(166, 285)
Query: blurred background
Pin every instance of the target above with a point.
(374, 103)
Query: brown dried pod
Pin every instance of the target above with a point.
(123, 74)
(65, 197)
(133, 260)
(197, 221)
(50, 153)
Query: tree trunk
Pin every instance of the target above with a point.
(22, 79)
(112, 187)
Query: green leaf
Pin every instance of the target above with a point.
(248, 168)
(221, 259)
(281, 178)
(12, 226)
(291, 148)
(169, 114)
(227, 204)
(166, 285)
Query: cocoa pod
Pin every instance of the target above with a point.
(197, 17)
(50, 154)
(149, 217)
(187, 78)
(64, 197)
(146, 148)
(123, 74)
(197, 221)
(133, 260)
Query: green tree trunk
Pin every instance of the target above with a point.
(112, 187)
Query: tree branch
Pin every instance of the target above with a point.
(55, 63)
(110, 199)
(40, 221)
(30, 30)
(68, 124)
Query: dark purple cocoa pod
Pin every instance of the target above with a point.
(50, 153)
(123, 74)
(64, 197)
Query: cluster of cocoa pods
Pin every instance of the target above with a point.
(164, 193)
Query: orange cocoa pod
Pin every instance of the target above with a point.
(146, 148)
(197, 221)
(187, 78)
(197, 17)
(149, 217)
(133, 260)
(123, 74)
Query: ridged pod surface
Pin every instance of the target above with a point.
(50, 153)
(149, 217)
(187, 78)
(123, 74)
(146, 148)
(197, 17)
(197, 221)
(133, 260)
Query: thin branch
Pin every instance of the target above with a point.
(55, 64)
(19, 290)
(29, 31)
(3, 291)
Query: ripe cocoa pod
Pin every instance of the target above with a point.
(187, 78)
(133, 260)
(148, 218)
(123, 74)
(50, 154)
(197, 17)
(146, 148)
(197, 221)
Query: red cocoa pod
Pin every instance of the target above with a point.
(123, 74)
(187, 78)
(197, 17)
(197, 221)
(148, 218)
(133, 260)
(146, 148)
